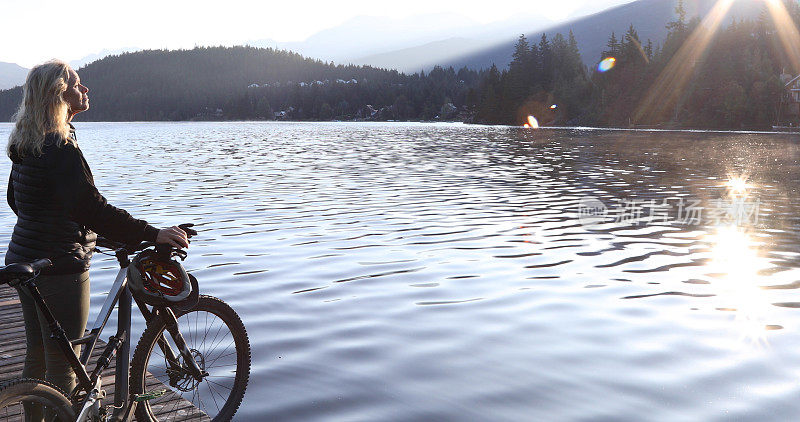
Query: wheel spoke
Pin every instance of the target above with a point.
(214, 345)
(223, 386)
(212, 335)
(212, 396)
(222, 356)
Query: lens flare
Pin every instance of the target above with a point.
(532, 122)
(606, 64)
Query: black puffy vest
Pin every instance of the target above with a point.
(44, 229)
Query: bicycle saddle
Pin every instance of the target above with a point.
(22, 270)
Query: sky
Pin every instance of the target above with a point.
(37, 30)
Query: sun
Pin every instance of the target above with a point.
(738, 186)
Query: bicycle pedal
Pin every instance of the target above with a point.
(148, 396)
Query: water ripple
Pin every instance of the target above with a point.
(443, 272)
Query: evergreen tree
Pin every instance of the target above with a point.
(678, 31)
(489, 110)
(613, 47)
(533, 70)
(518, 68)
(678, 26)
(545, 65)
(631, 51)
(521, 54)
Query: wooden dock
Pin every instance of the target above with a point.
(12, 357)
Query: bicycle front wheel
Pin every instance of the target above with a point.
(217, 340)
(34, 398)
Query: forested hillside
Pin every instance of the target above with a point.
(259, 83)
(732, 82)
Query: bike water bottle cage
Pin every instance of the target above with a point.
(158, 280)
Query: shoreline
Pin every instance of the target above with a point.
(455, 122)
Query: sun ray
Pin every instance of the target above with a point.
(787, 32)
(639, 47)
(672, 81)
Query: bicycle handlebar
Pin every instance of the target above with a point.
(130, 249)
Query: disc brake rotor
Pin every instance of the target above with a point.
(179, 375)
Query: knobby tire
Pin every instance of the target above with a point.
(217, 338)
(14, 392)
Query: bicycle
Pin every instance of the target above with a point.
(175, 358)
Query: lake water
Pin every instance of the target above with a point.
(452, 272)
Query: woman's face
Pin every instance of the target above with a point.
(75, 95)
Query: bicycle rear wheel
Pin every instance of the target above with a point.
(218, 341)
(35, 396)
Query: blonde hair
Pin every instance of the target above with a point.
(43, 109)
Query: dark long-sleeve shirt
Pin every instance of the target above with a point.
(67, 186)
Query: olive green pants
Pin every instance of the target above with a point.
(67, 296)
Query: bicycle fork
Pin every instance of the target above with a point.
(190, 364)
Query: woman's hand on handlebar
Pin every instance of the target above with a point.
(174, 236)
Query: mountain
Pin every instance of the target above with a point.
(83, 61)
(649, 17)
(370, 40)
(424, 57)
(456, 44)
(11, 75)
(365, 35)
(364, 40)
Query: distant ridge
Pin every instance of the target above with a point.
(178, 84)
(249, 83)
(11, 75)
(649, 17)
(424, 57)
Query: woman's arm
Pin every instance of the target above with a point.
(74, 187)
(93, 211)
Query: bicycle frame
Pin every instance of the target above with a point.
(118, 345)
(119, 293)
(90, 383)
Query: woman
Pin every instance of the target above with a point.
(58, 208)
